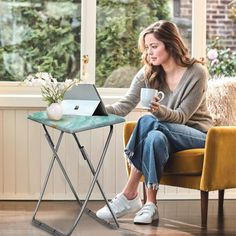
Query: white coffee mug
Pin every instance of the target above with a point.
(147, 95)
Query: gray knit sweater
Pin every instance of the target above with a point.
(185, 105)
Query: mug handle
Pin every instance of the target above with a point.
(160, 95)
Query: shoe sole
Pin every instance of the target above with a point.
(142, 223)
(146, 223)
(110, 219)
(156, 218)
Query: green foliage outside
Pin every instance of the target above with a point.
(221, 61)
(40, 37)
(43, 36)
(118, 26)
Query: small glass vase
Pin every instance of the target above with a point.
(55, 111)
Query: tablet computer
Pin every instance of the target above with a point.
(83, 99)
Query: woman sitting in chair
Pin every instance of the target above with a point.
(179, 121)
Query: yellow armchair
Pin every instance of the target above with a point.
(208, 169)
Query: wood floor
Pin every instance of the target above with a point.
(176, 218)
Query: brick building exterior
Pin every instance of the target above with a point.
(219, 22)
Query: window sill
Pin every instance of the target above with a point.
(15, 94)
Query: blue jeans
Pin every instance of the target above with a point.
(152, 142)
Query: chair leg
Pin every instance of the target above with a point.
(144, 193)
(204, 208)
(221, 200)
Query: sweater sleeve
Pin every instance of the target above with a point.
(191, 98)
(126, 104)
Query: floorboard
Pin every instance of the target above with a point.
(176, 218)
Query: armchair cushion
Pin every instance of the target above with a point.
(187, 162)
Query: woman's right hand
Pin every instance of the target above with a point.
(154, 106)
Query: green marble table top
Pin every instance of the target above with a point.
(73, 123)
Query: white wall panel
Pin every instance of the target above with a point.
(46, 156)
(121, 176)
(21, 152)
(25, 157)
(1, 154)
(9, 149)
(84, 175)
(59, 182)
(71, 163)
(34, 157)
(109, 168)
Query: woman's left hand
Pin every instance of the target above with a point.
(154, 106)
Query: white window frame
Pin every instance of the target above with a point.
(88, 40)
(199, 28)
(10, 90)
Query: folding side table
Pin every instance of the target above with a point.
(74, 124)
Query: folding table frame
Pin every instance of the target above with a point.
(73, 125)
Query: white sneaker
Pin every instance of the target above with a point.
(147, 214)
(120, 206)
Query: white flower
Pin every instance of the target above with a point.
(52, 91)
(212, 54)
(215, 61)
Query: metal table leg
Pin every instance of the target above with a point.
(95, 174)
(83, 204)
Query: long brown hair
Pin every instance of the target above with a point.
(168, 33)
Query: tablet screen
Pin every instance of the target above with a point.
(83, 99)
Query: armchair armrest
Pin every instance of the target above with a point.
(219, 165)
(128, 129)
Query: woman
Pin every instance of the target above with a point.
(179, 121)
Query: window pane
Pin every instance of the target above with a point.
(39, 36)
(182, 16)
(221, 25)
(119, 23)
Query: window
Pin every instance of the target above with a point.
(39, 36)
(118, 26)
(57, 36)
